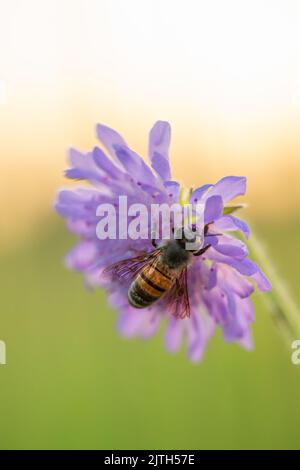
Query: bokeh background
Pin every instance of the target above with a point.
(226, 75)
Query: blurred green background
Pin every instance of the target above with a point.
(72, 382)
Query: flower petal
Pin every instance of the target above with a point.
(79, 203)
(211, 240)
(213, 209)
(134, 165)
(244, 266)
(234, 281)
(229, 187)
(161, 166)
(232, 223)
(236, 328)
(109, 137)
(231, 246)
(261, 280)
(129, 322)
(84, 166)
(231, 250)
(159, 141)
(198, 193)
(173, 189)
(106, 164)
(81, 227)
(173, 334)
(246, 341)
(82, 255)
(199, 328)
(212, 278)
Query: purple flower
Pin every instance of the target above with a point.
(220, 282)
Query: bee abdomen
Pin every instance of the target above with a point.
(138, 297)
(148, 286)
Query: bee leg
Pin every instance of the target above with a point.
(206, 227)
(154, 242)
(201, 251)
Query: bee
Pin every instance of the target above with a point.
(160, 273)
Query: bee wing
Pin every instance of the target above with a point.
(130, 267)
(177, 297)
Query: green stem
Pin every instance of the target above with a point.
(282, 306)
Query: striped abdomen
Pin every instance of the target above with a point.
(150, 284)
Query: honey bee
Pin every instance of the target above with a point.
(160, 273)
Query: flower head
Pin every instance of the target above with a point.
(219, 282)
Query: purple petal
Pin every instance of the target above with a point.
(199, 330)
(234, 281)
(232, 223)
(246, 306)
(78, 174)
(232, 330)
(261, 280)
(214, 301)
(231, 250)
(198, 193)
(109, 137)
(211, 240)
(82, 255)
(231, 302)
(246, 341)
(159, 141)
(76, 212)
(71, 196)
(134, 165)
(133, 322)
(245, 266)
(229, 187)
(77, 204)
(213, 209)
(230, 246)
(236, 327)
(173, 334)
(151, 325)
(77, 158)
(84, 166)
(130, 322)
(212, 278)
(82, 227)
(173, 189)
(105, 164)
(161, 166)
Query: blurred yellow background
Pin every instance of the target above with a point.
(226, 75)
